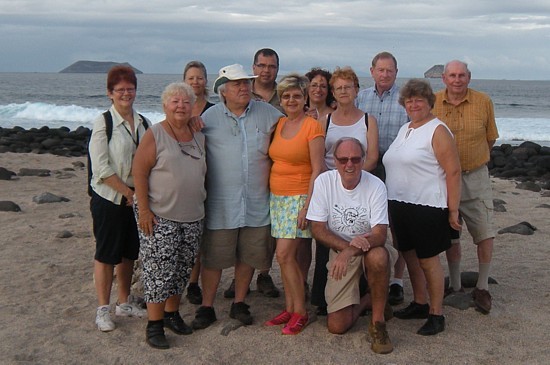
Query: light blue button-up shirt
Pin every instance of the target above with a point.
(389, 114)
(238, 165)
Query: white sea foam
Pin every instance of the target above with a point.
(36, 115)
(29, 115)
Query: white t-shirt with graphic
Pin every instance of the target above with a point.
(349, 213)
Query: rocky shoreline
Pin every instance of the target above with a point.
(529, 162)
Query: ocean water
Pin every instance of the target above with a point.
(522, 108)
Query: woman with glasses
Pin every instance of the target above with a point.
(169, 170)
(346, 121)
(112, 146)
(423, 181)
(320, 100)
(297, 154)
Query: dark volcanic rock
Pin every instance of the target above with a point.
(9, 206)
(6, 174)
(59, 141)
(64, 234)
(34, 172)
(523, 228)
(49, 198)
(528, 185)
(498, 205)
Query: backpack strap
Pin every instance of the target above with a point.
(145, 122)
(108, 125)
(328, 122)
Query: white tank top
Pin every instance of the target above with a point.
(335, 132)
(413, 174)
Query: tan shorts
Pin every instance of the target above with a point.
(221, 248)
(476, 204)
(342, 293)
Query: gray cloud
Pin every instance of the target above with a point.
(503, 39)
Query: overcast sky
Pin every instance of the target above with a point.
(500, 39)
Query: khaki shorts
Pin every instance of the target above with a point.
(476, 204)
(342, 293)
(221, 248)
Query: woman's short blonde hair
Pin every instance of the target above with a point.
(293, 81)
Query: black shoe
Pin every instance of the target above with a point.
(175, 323)
(395, 296)
(433, 325)
(154, 335)
(230, 292)
(321, 311)
(240, 312)
(204, 317)
(265, 286)
(413, 311)
(194, 293)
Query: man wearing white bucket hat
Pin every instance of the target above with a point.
(238, 131)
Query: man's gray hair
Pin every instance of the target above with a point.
(351, 139)
(457, 61)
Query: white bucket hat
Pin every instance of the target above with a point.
(231, 72)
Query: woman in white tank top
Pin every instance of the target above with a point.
(423, 182)
(348, 120)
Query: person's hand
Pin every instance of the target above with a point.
(339, 267)
(454, 220)
(196, 124)
(361, 242)
(313, 113)
(302, 221)
(129, 195)
(146, 221)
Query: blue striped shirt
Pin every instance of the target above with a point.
(390, 116)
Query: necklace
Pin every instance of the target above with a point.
(182, 145)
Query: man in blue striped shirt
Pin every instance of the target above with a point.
(382, 102)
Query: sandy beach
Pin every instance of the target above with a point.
(47, 305)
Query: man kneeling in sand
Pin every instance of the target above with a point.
(348, 213)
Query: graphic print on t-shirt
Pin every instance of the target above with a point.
(350, 221)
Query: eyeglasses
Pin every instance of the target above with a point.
(192, 149)
(263, 66)
(122, 90)
(287, 97)
(345, 88)
(318, 86)
(344, 160)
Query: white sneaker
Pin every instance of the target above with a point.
(103, 319)
(130, 310)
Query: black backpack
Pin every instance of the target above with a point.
(109, 131)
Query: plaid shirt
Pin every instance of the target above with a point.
(390, 116)
(472, 123)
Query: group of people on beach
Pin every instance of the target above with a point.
(274, 165)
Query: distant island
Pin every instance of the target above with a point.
(94, 67)
(434, 72)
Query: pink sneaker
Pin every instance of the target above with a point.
(281, 318)
(296, 324)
